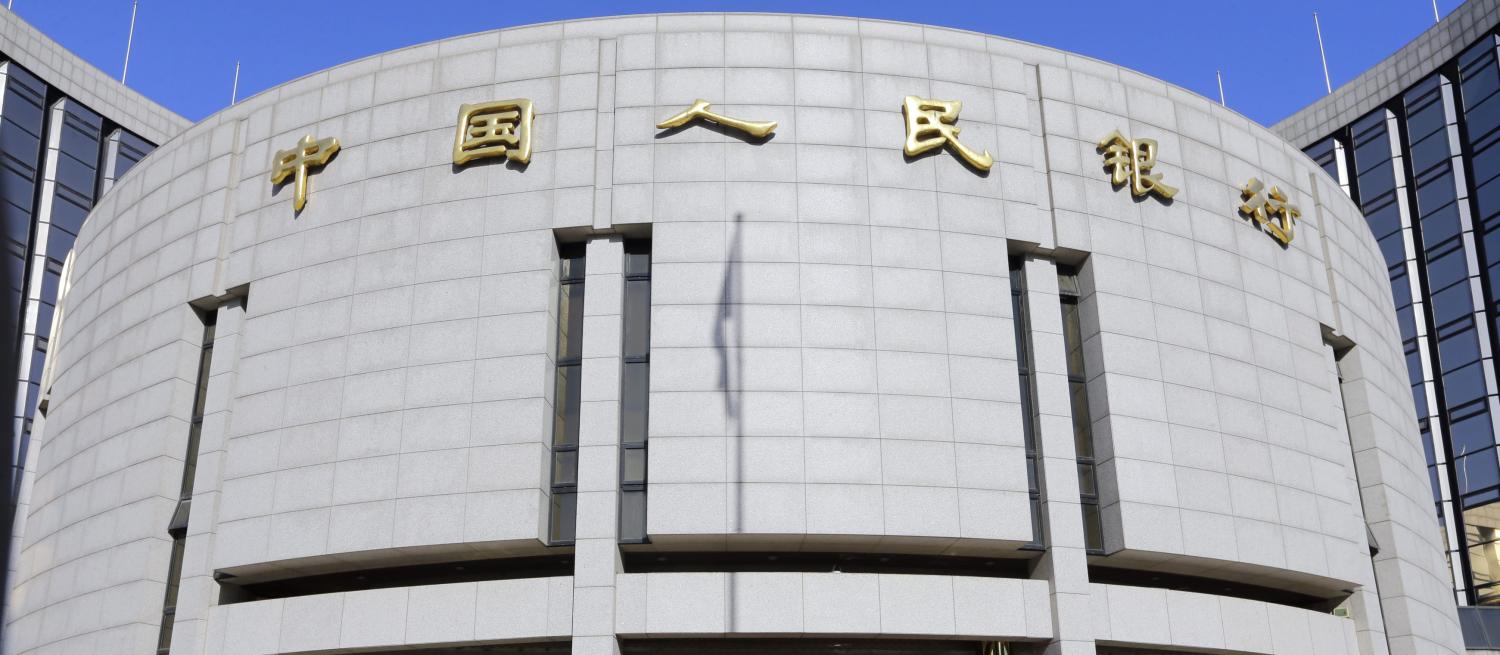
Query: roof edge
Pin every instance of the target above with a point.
(1419, 58)
(83, 81)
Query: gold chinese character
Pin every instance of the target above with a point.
(757, 129)
(1132, 159)
(929, 124)
(1271, 210)
(298, 160)
(494, 129)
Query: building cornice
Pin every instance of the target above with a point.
(1414, 61)
(69, 73)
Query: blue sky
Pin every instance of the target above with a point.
(185, 50)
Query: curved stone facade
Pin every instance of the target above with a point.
(1411, 141)
(856, 357)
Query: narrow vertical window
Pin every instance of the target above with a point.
(634, 387)
(177, 527)
(565, 401)
(1083, 431)
(1028, 391)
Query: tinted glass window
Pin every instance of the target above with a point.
(1401, 289)
(1443, 224)
(1435, 193)
(1459, 349)
(1486, 163)
(635, 386)
(1472, 432)
(1406, 321)
(1393, 249)
(1376, 182)
(1326, 154)
(1447, 267)
(1429, 152)
(1479, 84)
(1384, 221)
(637, 318)
(566, 405)
(1425, 117)
(1463, 385)
(632, 515)
(1451, 304)
(633, 409)
(1477, 471)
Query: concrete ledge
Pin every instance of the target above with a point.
(1141, 616)
(854, 604)
(500, 611)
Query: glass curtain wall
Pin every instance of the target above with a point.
(22, 117)
(69, 181)
(1426, 172)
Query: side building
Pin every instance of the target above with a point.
(68, 131)
(726, 334)
(1415, 141)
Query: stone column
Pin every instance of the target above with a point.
(1364, 603)
(1065, 562)
(596, 546)
(1410, 571)
(198, 591)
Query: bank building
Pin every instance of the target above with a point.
(757, 333)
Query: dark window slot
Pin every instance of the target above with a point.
(1195, 584)
(762, 646)
(511, 568)
(177, 526)
(1027, 375)
(634, 391)
(563, 513)
(736, 562)
(543, 648)
(1083, 427)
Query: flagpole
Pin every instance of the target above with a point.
(1321, 54)
(234, 93)
(1220, 75)
(1435, 17)
(134, 4)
